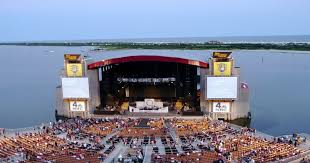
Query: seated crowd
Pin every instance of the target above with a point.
(92, 140)
(205, 157)
(153, 128)
(43, 147)
(231, 143)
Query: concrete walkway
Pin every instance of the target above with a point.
(174, 136)
(119, 150)
(148, 154)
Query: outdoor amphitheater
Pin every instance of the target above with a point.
(150, 109)
(157, 140)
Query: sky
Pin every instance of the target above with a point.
(38, 20)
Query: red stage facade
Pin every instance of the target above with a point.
(147, 58)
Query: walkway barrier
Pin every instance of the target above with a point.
(294, 158)
(25, 129)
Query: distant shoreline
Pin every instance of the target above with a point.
(178, 46)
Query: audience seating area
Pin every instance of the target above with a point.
(170, 140)
(101, 129)
(258, 149)
(235, 144)
(44, 147)
(205, 157)
(135, 129)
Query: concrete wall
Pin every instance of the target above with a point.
(240, 107)
(59, 101)
(94, 89)
(203, 102)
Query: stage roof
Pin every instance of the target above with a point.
(180, 58)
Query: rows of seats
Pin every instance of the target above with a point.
(101, 129)
(67, 158)
(155, 128)
(205, 157)
(238, 145)
(200, 127)
(258, 149)
(32, 143)
(6, 150)
(201, 140)
(43, 146)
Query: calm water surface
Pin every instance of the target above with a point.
(279, 84)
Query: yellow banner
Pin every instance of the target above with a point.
(222, 69)
(72, 57)
(74, 70)
(221, 54)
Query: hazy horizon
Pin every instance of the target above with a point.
(35, 20)
(213, 38)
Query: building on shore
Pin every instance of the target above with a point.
(152, 85)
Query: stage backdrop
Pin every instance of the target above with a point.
(152, 91)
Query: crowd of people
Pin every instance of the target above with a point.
(183, 140)
(201, 157)
(227, 142)
(152, 128)
(44, 147)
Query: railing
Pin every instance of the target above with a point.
(26, 129)
(293, 158)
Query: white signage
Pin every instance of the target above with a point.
(77, 106)
(222, 87)
(75, 88)
(146, 80)
(149, 103)
(221, 107)
(142, 110)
